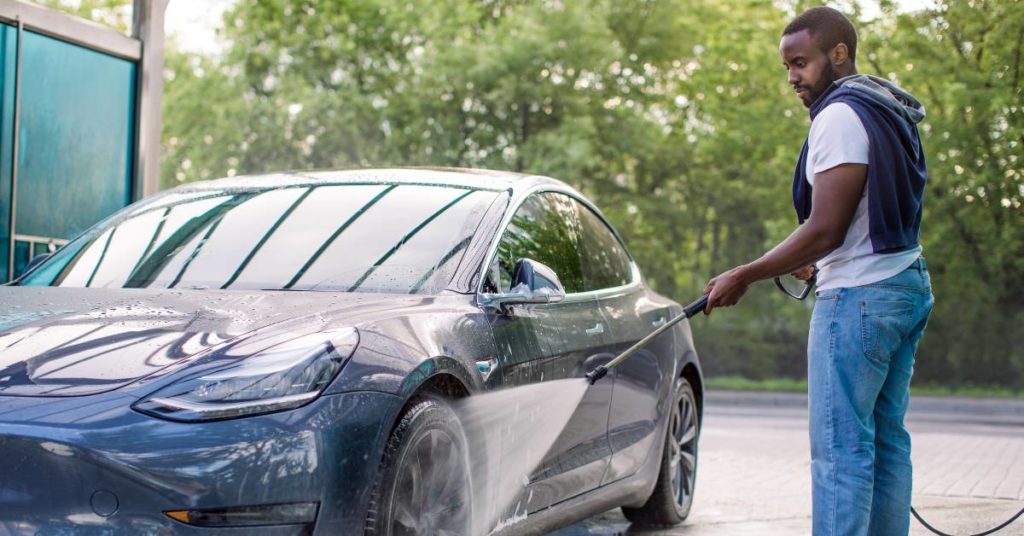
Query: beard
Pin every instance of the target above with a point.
(828, 75)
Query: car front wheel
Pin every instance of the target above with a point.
(424, 486)
(672, 498)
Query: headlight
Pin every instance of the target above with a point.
(281, 377)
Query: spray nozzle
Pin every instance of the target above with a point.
(597, 374)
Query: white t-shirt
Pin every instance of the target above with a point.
(838, 137)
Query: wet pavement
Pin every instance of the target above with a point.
(754, 475)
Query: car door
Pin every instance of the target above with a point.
(631, 312)
(539, 343)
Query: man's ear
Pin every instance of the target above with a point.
(839, 54)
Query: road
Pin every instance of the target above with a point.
(753, 472)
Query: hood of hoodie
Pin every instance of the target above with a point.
(885, 93)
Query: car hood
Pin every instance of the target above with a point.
(73, 342)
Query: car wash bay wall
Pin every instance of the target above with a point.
(75, 111)
(76, 124)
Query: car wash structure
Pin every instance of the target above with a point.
(79, 123)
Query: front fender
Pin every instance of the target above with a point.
(438, 366)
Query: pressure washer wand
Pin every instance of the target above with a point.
(688, 312)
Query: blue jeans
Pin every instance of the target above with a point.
(860, 359)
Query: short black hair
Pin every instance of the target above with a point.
(828, 27)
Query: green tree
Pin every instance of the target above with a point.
(965, 61)
(116, 14)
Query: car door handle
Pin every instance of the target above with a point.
(659, 322)
(596, 330)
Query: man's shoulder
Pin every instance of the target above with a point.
(836, 110)
(837, 115)
(837, 136)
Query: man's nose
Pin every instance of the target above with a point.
(792, 77)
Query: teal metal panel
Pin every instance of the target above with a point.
(8, 51)
(76, 133)
(22, 254)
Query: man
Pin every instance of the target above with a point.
(858, 191)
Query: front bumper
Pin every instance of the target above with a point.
(91, 465)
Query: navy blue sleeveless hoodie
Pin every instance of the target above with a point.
(896, 166)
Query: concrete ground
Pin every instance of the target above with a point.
(753, 471)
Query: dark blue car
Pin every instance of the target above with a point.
(281, 355)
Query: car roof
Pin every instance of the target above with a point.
(440, 176)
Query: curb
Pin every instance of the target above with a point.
(995, 410)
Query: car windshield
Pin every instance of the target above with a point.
(401, 238)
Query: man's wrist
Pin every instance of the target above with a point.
(747, 273)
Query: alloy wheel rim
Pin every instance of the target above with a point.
(683, 458)
(432, 492)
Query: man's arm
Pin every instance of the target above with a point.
(837, 193)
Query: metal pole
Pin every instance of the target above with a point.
(14, 153)
(148, 27)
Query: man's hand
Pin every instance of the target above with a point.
(804, 273)
(726, 289)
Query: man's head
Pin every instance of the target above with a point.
(817, 48)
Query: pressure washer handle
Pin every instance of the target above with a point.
(696, 307)
(808, 285)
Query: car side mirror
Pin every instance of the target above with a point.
(532, 283)
(36, 261)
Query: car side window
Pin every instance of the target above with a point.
(544, 229)
(604, 262)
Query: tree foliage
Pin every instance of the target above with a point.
(116, 14)
(964, 60)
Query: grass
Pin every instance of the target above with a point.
(739, 383)
(793, 385)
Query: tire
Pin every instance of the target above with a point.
(424, 482)
(670, 502)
